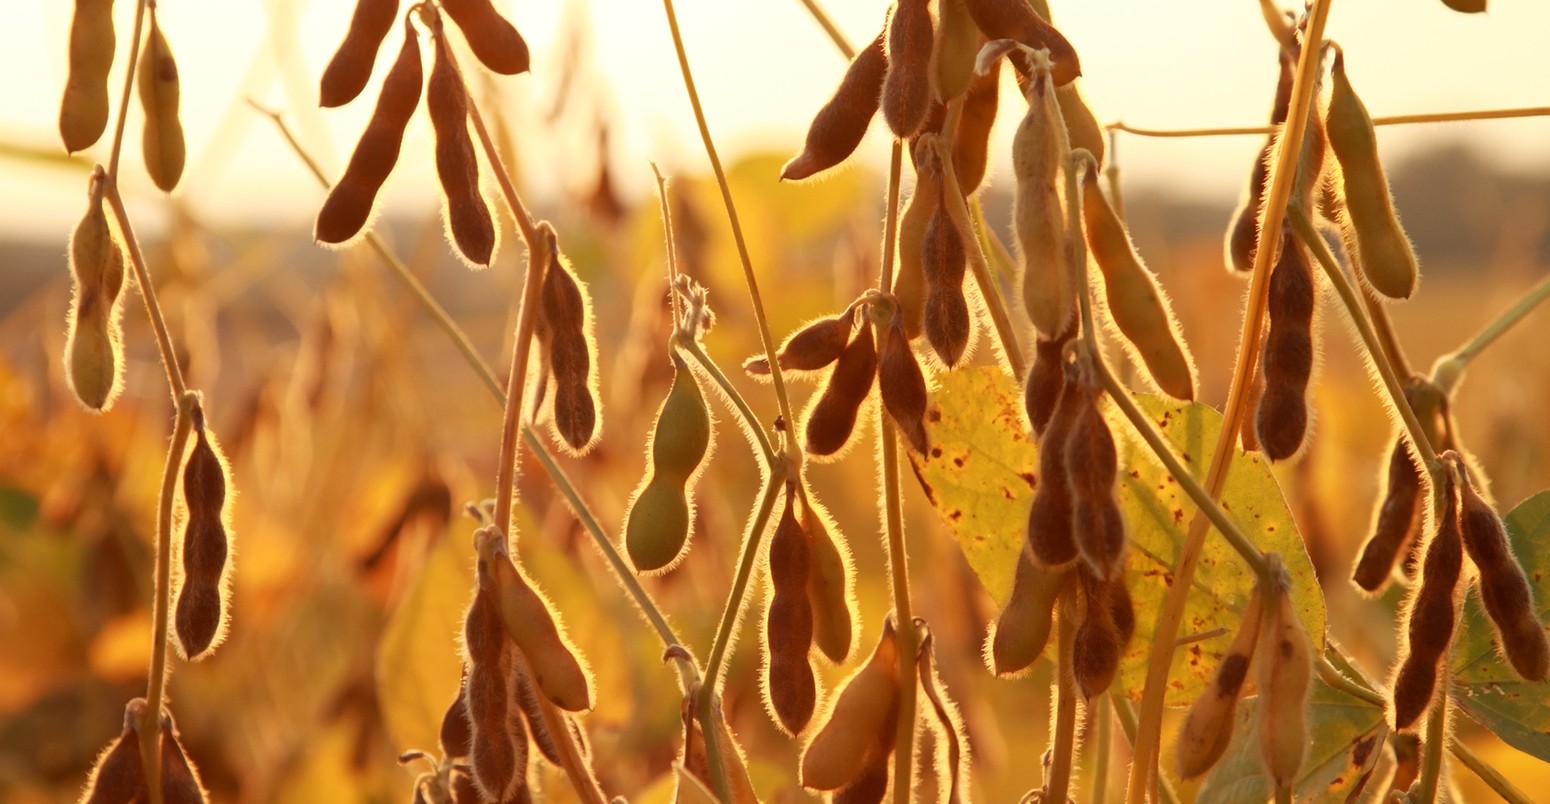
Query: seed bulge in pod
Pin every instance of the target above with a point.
(907, 81)
(1284, 671)
(1430, 616)
(350, 68)
(1023, 628)
(1092, 465)
(83, 109)
(971, 141)
(829, 582)
(952, 54)
(790, 687)
(839, 126)
(93, 350)
(660, 517)
(488, 657)
(455, 738)
(1136, 302)
(1243, 233)
(118, 775)
(1046, 378)
(530, 621)
(810, 348)
(943, 264)
(1281, 421)
(1504, 589)
(1039, 150)
(909, 280)
(833, 417)
(902, 384)
(163, 135)
(1106, 626)
(494, 41)
(350, 202)
(571, 347)
(1378, 242)
(1397, 521)
(205, 593)
(865, 706)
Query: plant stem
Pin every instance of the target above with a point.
(1058, 783)
(990, 291)
(123, 98)
(1508, 318)
(156, 683)
(794, 454)
(750, 421)
(169, 356)
(1434, 745)
(1102, 742)
(1003, 256)
(746, 564)
(1491, 776)
(571, 761)
(830, 28)
(1283, 177)
(1125, 712)
(1391, 120)
(1332, 676)
(1348, 295)
(673, 301)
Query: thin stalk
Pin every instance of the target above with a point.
(672, 247)
(1388, 339)
(129, 82)
(766, 450)
(1332, 676)
(1102, 743)
(893, 518)
(746, 565)
(1125, 712)
(156, 684)
(527, 306)
(1282, 178)
(1058, 784)
(1491, 776)
(1349, 296)
(1434, 745)
(169, 356)
(1390, 120)
(1003, 256)
(1111, 176)
(1509, 317)
(794, 454)
(990, 291)
(822, 18)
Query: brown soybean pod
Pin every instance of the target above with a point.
(907, 81)
(1207, 729)
(828, 582)
(530, 622)
(1398, 518)
(872, 784)
(1504, 589)
(83, 109)
(1284, 675)
(833, 417)
(1136, 302)
(909, 280)
(493, 40)
(163, 135)
(1015, 19)
(838, 751)
(118, 775)
(812, 347)
(943, 265)
(971, 141)
(788, 631)
(457, 165)
(1039, 149)
(697, 762)
(1106, 626)
(180, 782)
(350, 68)
(903, 385)
(1378, 242)
(1430, 619)
(526, 698)
(350, 201)
(1046, 377)
(201, 616)
(455, 737)
(1092, 464)
(93, 348)
(839, 126)
(1282, 418)
(1050, 538)
(1243, 234)
(567, 315)
(488, 659)
(1023, 627)
(1081, 125)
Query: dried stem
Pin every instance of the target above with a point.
(1125, 712)
(673, 301)
(156, 683)
(822, 18)
(762, 443)
(169, 356)
(129, 82)
(1490, 775)
(571, 761)
(1391, 120)
(1282, 178)
(1392, 382)
(1058, 782)
(1103, 738)
(1434, 744)
(793, 453)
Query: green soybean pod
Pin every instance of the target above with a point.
(660, 517)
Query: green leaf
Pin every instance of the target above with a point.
(1486, 687)
(981, 472)
(1347, 736)
(419, 666)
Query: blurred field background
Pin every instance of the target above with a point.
(356, 433)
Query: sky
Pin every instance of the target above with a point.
(763, 67)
